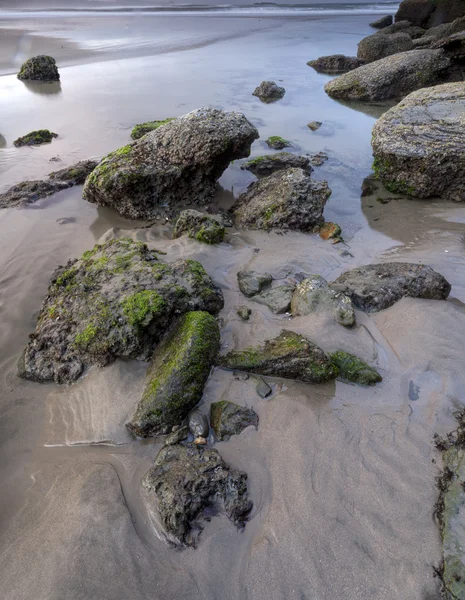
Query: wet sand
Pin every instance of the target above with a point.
(342, 477)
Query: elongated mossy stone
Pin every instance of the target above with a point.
(35, 138)
(289, 355)
(177, 374)
(354, 369)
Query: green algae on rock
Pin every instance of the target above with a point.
(41, 136)
(199, 226)
(178, 163)
(142, 129)
(229, 419)
(76, 174)
(117, 300)
(186, 479)
(39, 68)
(177, 374)
(265, 165)
(288, 355)
(354, 369)
(277, 143)
(330, 230)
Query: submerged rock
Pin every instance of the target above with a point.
(376, 287)
(336, 63)
(252, 283)
(277, 143)
(354, 369)
(229, 419)
(287, 199)
(177, 374)
(277, 299)
(330, 231)
(186, 480)
(199, 226)
(76, 174)
(41, 136)
(378, 46)
(314, 295)
(318, 159)
(418, 144)
(382, 22)
(289, 355)
(244, 312)
(265, 165)
(142, 129)
(269, 91)
(198, 426)
(39, 68)
(391, 77)
(314, 125)
(179, 162)
(117, 300)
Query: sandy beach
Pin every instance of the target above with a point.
(343, 478)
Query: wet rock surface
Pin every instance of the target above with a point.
(35, 138)
(177, 374)
(277, 299)
(289, 355)
(270, 163)
(287, 199)
(198, 425)
(186, 479)
(142, 129)
(418, 144)
(430, 13)
(179, 162)
(269, 91)
(275, 142)
(405, 27)
(313, 295)
(318, 159)
(335, 63)
(382, 22)
(252, 283)
(117, 300)
(244, 313)
(379, 45)
(199, 226)
(391, 77)
(76, 174)
(229, 419)
(177, 436)
(39, 68)
(354, 369)
(376, 287)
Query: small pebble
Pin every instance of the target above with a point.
(263, 389)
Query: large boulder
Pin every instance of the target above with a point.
(289, 355)
(418, 144)
(39, 68)
(430, 13)
(177, 374)
(117, 300)
(391, 77)
(377, 46)
(376, 287)
(229, 419)
(287, 199)
(270, 163)
(269, 91)
(382, 22)
(179, 162)
(187, 479)
(335, 63)
(199, 226)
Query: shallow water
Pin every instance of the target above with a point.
(342, 477)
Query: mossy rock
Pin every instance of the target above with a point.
(227, 419)
(277, 143)
(117, 300)
(76, 174)
(39, 68)
(265, 165)
(142, 129)
(354, 369)
(177, 374)
(289, 355)
(199, 226)
(41, 136)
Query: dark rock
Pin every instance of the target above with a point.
(369, 186)
(336, 63)
(177, 374)
(289, 355)
(382, 22)
(229, 419)
(29, 192)
(287, 199)
(277, 299)
(198, 226)
(318, 159)
(39, 68)
(177, 436)
(453, 46)
(244, 312)
(179, 162)
(143, 128)
(268, 92)
(277, 143)
(186, 480)
(354, 369)
(405, 27)
(263, 389)
(117, 300)
(252, 283)
(198, 426)
(314, 295)
(270, 163)
(440, 32)
(76, 174)
(35, 138)
(377, 46)
(376, 287)
(418, 144)
(430, 13)
(314, 125)
(391, 77)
